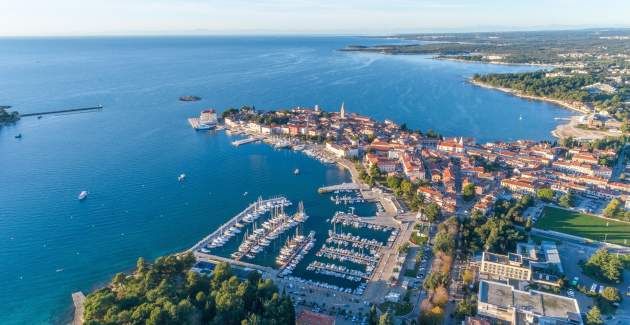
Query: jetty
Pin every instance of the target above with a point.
(281, 200)
(61, 111)
(340, 187)
(245, 141)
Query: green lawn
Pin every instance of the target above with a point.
(584, 225)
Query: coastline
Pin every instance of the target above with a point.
(437, 57)
(583, 109)
(564, 130)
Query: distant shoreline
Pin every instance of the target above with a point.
(542, 65)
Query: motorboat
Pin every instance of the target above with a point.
(181, 177)
(83, 195)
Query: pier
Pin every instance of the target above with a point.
(309, 241)
(246, 141)
(347, 255)
(71, 110)
(340, 187)
(348, 219)
(338, 271)
(252, 207)
(355, 241)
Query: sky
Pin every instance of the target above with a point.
(360, 17)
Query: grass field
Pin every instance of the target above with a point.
(584, 225)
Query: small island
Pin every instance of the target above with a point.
(189, 98)
(8, 117)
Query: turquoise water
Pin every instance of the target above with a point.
(129, 155)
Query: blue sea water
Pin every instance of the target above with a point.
(128, 156)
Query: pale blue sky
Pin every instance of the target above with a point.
(90, 17)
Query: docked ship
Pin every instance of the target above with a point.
(207, 120)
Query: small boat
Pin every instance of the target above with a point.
(181, 177)
(245, 194)
(18, 136)
(83, 195)
(39, 117)
(520, 117)
(296, 171)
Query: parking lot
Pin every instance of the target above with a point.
(590, 205)
(570, 255)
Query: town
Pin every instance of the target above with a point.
(519, 232)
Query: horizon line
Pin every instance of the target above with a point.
(202, 33)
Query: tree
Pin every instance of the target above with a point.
(594, 316)
(612, 209)
(406, 187)
(611, 294)
(545, 194)
(466, 307)
(468, 276)
(605, 266)
(440, 296)
(386, 319)
(373, 318)
(468, 191)
(393, 182)
(168, 292)
(567, 200)
(432, 212)
(374, 172)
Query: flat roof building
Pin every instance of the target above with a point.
(502, 267)
(501, 302)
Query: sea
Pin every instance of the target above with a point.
(128, 155)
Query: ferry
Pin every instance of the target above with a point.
(83, 195)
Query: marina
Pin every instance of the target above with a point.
(220, 236)
(270, 230)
